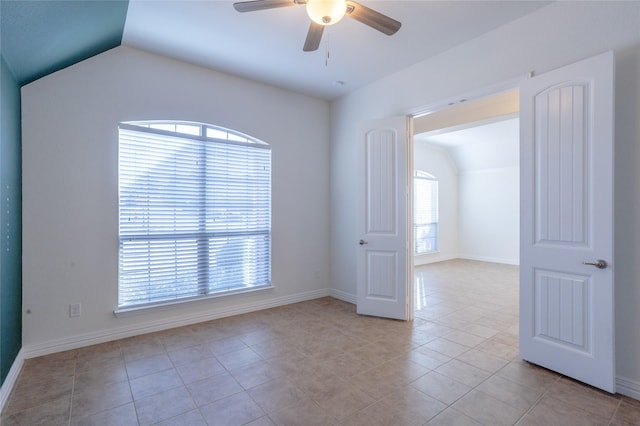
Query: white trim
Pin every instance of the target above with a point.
(163, 306)
(343, 295)
(11, 379)
(628, 387)
(471, 95)
(490, 259)
(87, 339)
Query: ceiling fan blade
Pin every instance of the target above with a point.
(250, 6)
(313, 37)
(370, 17)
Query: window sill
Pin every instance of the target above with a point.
(171, 304)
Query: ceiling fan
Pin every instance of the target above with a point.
(326, 12)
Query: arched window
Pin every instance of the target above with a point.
(425, 213)
(194, 212)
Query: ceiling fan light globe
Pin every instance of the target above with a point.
(326, 12)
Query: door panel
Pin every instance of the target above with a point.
(567, 306)
(383, 262)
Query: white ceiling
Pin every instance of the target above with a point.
(267, 45)
(479, 146)
(497, 130)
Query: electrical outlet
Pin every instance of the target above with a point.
(74, 310)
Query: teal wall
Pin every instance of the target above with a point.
(10, 220)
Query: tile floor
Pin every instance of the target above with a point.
(318, 363)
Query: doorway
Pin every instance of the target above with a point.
(472, 149)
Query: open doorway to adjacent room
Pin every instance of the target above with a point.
(466, 206)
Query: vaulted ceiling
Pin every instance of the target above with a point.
(40, 37)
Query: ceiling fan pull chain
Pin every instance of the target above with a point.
(326, 61)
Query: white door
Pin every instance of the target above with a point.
(566, 266)
(384, 270)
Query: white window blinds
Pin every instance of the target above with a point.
(195, 212)
(425, 215)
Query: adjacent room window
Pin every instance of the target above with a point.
(194, 212)
(425, 213)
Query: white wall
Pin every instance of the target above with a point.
(438, 162)
(489, 197)
(556, 35)
(70, 188)
(489, 215)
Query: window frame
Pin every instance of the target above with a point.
(434, 225)
(184, 130)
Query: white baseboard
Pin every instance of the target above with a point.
(88, 339)
(628, 387)
(426, 259)
(490, 259)
(10, 380)
(343, 295)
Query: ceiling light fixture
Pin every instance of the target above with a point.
(326, 12)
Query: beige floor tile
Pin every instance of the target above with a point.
(528, 375)
(452, 417)
(189, 354)
(237, 409)
(464, 338)
(103, 354)
(52, 412)
(274, 348)
(428, 357)
(596, 402)
(292, 363)
(27, 394)
(258, 336)
(315, 380)
(199, 370)
(441, 387)
(124, 415)
(190, 418)
(375, 353)
(144, 386)
(110, 372)
(164, 405)
(480, 330)
(627, 414)
(349, 364)
(343, 400)
(318, 362)
(512, 393)
(463, 372)
(487, 410)
(93, 399)
(138, 347)
(226, 345)
(483, 360)
(550, 411)
(409, 406)
(498, 349)
(262, 421)
(276, 394)
(255, 374)
(213, 388)
(148, 365)
(446, 347)
(238, 359)
(304, 413)
(376, 414)
(178, 338)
